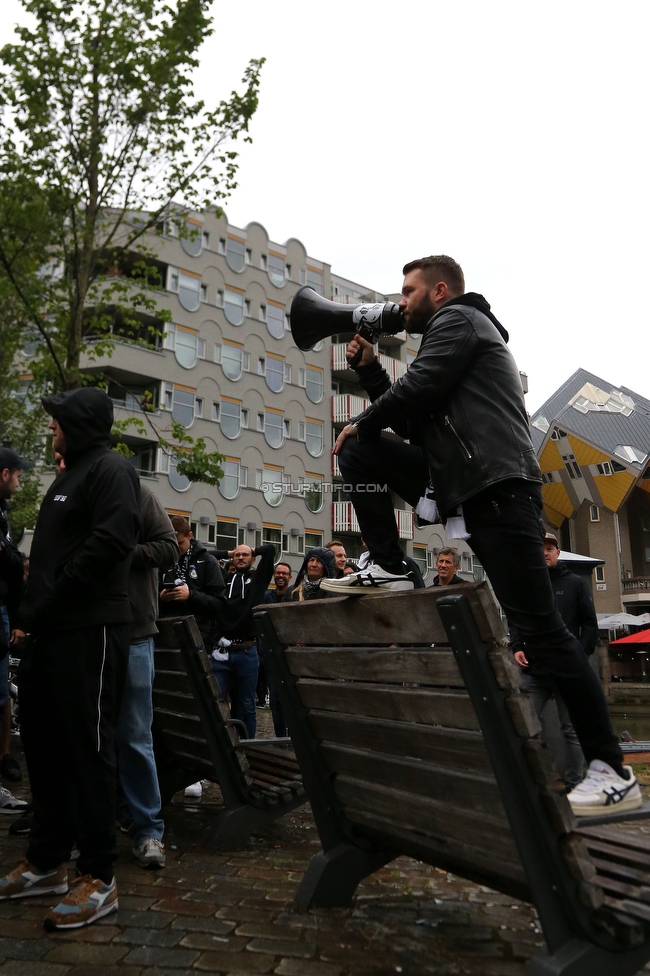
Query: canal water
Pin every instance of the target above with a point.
(634, 719)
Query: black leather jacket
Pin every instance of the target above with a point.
(461, 400)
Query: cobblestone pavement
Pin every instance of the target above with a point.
(233, 913)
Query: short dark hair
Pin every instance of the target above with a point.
(450, 551)
(281, 563)
(439, 267)
(180, 524)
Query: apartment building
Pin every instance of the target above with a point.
(226, 368)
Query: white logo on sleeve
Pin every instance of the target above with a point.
(60, 498)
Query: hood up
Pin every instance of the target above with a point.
(326, 557)
(85, 417)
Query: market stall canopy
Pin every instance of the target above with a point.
(610, 621)
(641, 637)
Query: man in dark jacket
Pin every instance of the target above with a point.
(281, 593)
(195, 585)
(577, 611)
(11, 592)
(462, 407)
(234, 659)
(157, 549)
(73, 668)
(447, 563)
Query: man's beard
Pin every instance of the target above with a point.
(418, 317)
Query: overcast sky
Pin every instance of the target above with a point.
(510, 135)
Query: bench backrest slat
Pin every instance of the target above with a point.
(411, 665)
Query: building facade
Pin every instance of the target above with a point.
(227, 369)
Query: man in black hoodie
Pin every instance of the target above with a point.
(73, 669)
(461, 405)
(577, 611)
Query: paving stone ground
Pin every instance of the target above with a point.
(233, 913)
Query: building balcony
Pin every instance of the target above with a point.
(344, 519)
(345, 406)
(636, 584)
(393, 367)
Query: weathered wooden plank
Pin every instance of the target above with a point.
(623, 871)
(621, 838)
(452, 709)
(172, 681)
(187, 744)
(617, 854)
(623, 888)
(175, 722)
(397, 665)
(523, 715)
(461, 791)
(427, 815)
(174, 702)
(405, 618)
(634, 908)
(458, 749)
(400, 665)
(168, 659)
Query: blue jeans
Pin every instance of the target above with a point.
(239, 676)
(138, 778)
(4, 664)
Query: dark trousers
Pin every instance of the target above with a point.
(279, 723)
(506, 533)
(70, 689)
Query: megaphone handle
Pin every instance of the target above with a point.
(355, 360)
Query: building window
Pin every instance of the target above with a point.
(180, 400)
(311, 487)
(230, 418)
(221, 249)
(233, 305)
(276, 269)
(604, 468)
(274, 427)
(594, 513)
(420, 559)
(234, 478)
(204, 293)
(249, 256)
(312, 540)
(273, 534)
(314, 384)
(192, 238)
(226, 537)
(187, 286)
(314, 437)
(599, 573)
(186, 346)
(287, 429)
(314, 278)
(287, 373)
(275, 319)
(271, 482)
(274, 373)
(220, 298)
(572, 466)
(232, 357)
(179, 482)
(235, 253)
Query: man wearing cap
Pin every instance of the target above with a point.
(73, 669)
(11, 591)
(577, 611)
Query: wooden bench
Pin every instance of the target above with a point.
(414, 738)
(195, 738)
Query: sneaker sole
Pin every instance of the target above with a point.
(61, 889)
(52, 926)
(11, 810)
(353, 590)
(631, 803)
(149, 863)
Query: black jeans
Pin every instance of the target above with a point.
(71, 685)
(506, 533)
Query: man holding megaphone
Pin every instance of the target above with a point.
(470, 463)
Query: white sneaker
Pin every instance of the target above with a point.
(149, 853)
(367, 580)
(9, 803)
(603, 791)
(195, 790)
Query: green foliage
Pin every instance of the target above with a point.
(102, 140)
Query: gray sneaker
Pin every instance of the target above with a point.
(9, 803)
(149, 853)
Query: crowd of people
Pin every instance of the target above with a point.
(107, 560)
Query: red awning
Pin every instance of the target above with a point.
(641, 637)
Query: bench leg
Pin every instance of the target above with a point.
(581, 958)
(331, 878)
